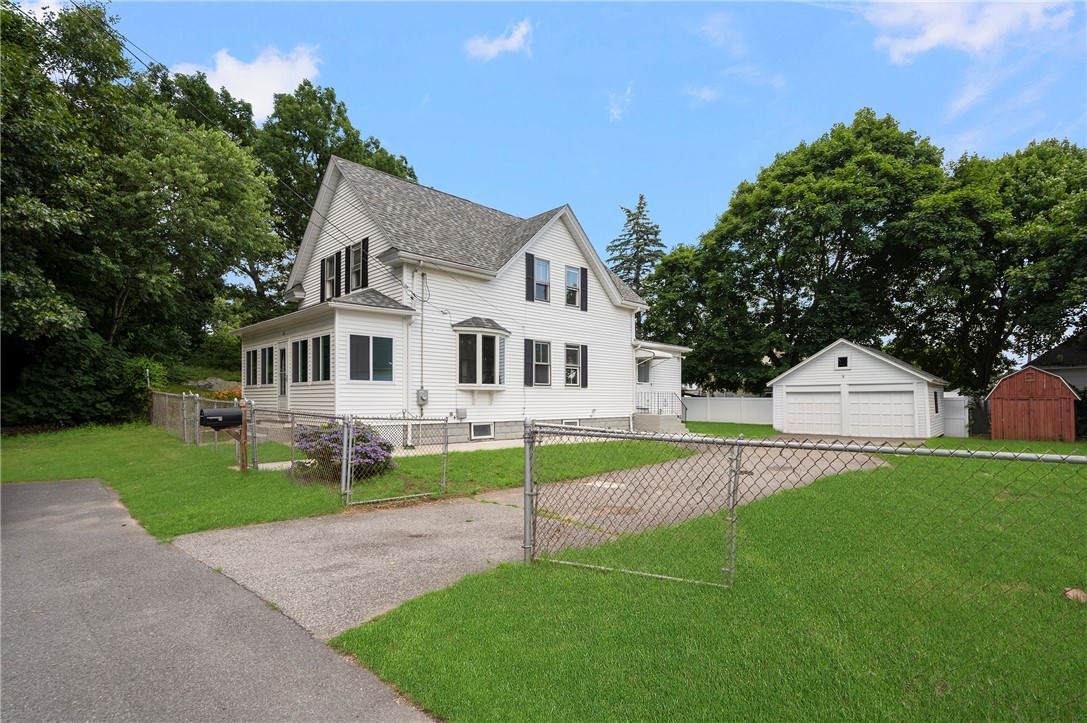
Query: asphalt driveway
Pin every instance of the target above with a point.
(101, 622)
(336, 572)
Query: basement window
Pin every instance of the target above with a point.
(484, 430)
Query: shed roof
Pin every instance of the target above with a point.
(1065, 389)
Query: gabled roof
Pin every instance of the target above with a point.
(478, 322)
(1031, 367)
(1070, 352)
(425, 223)
(372, 298)
(884, 356)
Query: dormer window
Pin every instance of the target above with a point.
(843, 362)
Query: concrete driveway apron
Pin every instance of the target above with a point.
(101, 622)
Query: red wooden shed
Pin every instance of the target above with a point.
(1035, 405)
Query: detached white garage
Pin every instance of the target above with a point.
(850, 390)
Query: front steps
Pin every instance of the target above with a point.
(660, 423)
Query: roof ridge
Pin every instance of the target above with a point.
(428, 188)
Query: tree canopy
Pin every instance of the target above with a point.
(637, 250)
(864, 234)
(129, 198)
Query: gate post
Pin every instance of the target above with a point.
(529, 544)
(253, 441)
(735, 457)
(345, 460)
(196, 420)
(445, 452)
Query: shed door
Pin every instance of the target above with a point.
(813, 412)
(881, 414)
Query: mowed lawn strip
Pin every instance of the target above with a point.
(174, 489)
(170, 487)
(732, 430)
(469, 473)
(926, 589)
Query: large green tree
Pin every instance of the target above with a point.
(296, 144)
(119, 219)
(636, 251)
(1001, 268)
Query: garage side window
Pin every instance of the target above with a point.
(936, 402)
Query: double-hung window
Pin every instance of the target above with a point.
(573, 286)
(357, 265)
(321, 356)
(329, 269)
(543, 280)
(300, 361)
(371, 358)
(643, 372)
(481, 359)
(541, 363)
(573, 365)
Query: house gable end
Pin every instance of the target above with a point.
(847, 347)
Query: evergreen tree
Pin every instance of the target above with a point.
(636, 251)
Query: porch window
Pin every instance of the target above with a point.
(371, 358)
(251, 368)
(267, 365)
(321, 353)
(300, 361)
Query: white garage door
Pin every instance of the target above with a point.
(881, 414)
(813, 413)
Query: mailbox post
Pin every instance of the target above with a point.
(231, 420)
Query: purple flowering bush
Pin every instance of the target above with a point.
(370, 453)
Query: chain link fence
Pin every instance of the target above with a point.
(966, 567)
(369, 459)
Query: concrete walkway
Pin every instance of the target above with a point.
(100, 622)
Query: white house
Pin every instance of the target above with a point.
(413, 301)
(854, 391)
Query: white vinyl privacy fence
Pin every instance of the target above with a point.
(744, 410)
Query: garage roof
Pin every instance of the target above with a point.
(904, 366)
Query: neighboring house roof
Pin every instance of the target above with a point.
(478, 322)
(1070, 352)
(423, 222)
(904, 366)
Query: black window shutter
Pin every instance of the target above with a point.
(528, 362)
(323, 281)
(530, 277)
(347, 253)
(365, 263)
(584, 289)
(339, 265)
(584, 366)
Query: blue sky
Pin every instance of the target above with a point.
(524, 106)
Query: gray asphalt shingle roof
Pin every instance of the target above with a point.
(371, 297)
(425, 222)
(479, 322)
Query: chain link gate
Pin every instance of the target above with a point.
(672, 512)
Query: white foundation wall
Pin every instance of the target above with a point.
(604, 328)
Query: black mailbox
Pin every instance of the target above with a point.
(227, 418)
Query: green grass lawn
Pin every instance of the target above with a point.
(732, 429)
(928, 589)
(469, 473)
(1008, 445)
(170, 487)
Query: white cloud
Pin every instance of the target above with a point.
(909, 29)
(619, 103)
(752, 74)
(719, 31)
(258, 81)
(703, 94)
(38, 8)
(516, 40)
